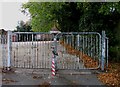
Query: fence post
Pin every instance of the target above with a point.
(9, 50)
(103, 51)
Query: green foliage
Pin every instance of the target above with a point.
(76, 17)
(24, 27)
(109, 8)
(90, 19)
(114, 53)
(43, 17)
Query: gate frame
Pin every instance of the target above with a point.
(85, 33)
(103, 46)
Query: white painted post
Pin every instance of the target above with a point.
(103, 51)
(9, 50)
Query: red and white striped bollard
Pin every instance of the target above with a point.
(53, 67)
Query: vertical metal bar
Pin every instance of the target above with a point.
(82, 50)
(88, 45)
(70, 44)
(91, 46)
(37, 49)
(47, 53)
(41, 52)
(5, 48)
(78, 41)
(13, 51)
(3, 59)
(63, 62)
(67, 41)
(100, 49)
(44, 49)
(103, 51)
(1, 53)
(73, 41)
(32, 58)
(66, 58)
(9, 50)
(96, 46)
(79, 49)
(17, 50)
(28, 53)
(74, 60)
(83, 44)
(27, 50)
(107, 51)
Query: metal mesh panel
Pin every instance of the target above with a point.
(79, 50)
(32, 50)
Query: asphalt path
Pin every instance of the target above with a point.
(37, 77)
(38, 55)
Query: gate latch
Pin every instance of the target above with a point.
(53, 51)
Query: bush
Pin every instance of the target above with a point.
(114, 53)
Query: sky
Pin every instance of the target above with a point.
(10, 14)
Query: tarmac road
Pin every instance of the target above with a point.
(36, 77)
(38, 55)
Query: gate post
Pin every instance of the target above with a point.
(103, 51)
(9, 50)
(55, 51)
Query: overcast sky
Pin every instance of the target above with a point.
(10, 14)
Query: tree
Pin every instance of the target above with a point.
(103, 16)
(23, 27)
(42, 14)
(76, 16)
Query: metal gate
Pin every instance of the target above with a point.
(76, 50)
(82, 50)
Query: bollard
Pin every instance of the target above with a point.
(53, 67)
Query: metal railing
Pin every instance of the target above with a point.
(76, 50)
